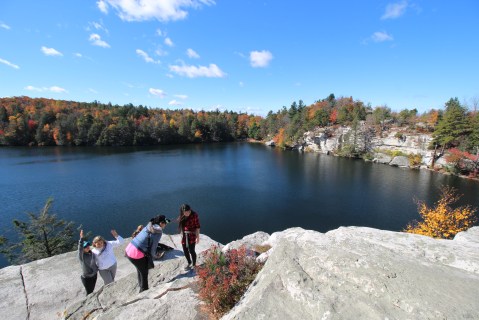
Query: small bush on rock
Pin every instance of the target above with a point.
(224, 277)
(442, 221)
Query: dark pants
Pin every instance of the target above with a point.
(190, 251)
(89, 283)
(141, 266)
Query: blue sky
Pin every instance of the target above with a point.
(250, 55)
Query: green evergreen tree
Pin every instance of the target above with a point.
(453, 126)
(42, 236)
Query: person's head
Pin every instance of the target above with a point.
(160, 220)
(138, 229)
(99, 242)
(86, 246)
(185, 210)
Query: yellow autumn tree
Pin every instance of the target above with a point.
(442, 221)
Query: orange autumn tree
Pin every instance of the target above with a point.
(442, 221)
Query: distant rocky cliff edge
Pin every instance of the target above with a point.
(394, 147)
(347, 273)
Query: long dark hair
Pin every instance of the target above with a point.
(182, 218)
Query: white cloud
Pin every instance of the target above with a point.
(381, 36)
(95, 40)
(241, 84)
(212, 71)
(51, 52)
(192, 54)
(78, 55)
(92, 90)
(8, 63)
(159, 32)
(160, 52)
(168, 42)
(141, 10)
(260, 59)
(157, 92)
(57, 89)
(103, 6)
(174, 103)
(43, 89)
(395, 10)
(97, 26)
(181, 96)
(145, 56)
(4, 26)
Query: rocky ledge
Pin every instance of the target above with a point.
(347, 273)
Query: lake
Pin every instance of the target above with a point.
(237, 188)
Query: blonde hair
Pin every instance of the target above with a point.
(98, 239)
(138, 230)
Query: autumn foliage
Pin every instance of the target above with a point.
(224, 278)
(442, 221)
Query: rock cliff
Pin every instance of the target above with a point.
(347, 273)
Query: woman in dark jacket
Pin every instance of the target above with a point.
(88, 264)
(146, 239)
(189, 227)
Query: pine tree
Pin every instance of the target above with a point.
(453, 126)
(42, 236)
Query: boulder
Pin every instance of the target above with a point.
(364, 273)
(399, 161)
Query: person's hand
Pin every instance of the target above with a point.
(81, 234)
(114, 233)
(197, 239)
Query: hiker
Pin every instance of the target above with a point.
(189, 227)
(88, 265)
(105, 257)
(145, 241)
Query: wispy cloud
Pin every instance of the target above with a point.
(381, 36)
(395, 10)
(51, 52)
(146, 57)
(8, 63)
(103, 6)
(4, 26)
(260, 59)
(159, 32)
(46, 89)
(157, 92)
(174, 103)
(181, 96)
(165, 10)
(96, 40)
(97, 26)
(211, 71)
(169, 42)
(192, 54)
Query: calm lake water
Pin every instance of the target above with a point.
(237, 188)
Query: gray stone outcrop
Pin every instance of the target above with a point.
(48, 288)
(347, 273)
(363, 273)
(331, 140)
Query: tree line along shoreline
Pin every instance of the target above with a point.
(26, 121)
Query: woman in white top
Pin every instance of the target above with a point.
(105, 257)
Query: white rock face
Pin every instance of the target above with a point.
(44, 289)
(347, 273)
(363, 273)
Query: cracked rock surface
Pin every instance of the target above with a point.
(347, 273)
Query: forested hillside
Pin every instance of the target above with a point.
(43, 122)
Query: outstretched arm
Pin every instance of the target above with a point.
(119, 240)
